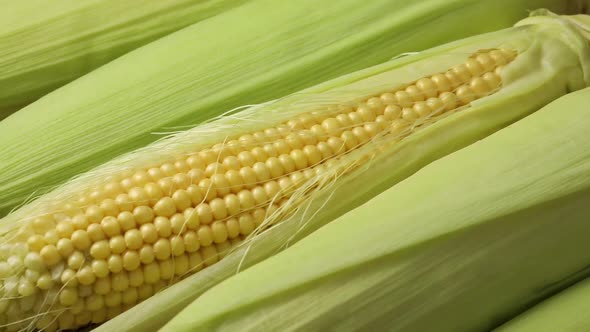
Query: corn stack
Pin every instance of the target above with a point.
(259, 179)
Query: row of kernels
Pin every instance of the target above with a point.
(140, 195)
(477, 87)
(207, 160)
(136, 239)
(420, 91)
(219, 185)
(150, 274)
(234, 182)
(428, 87)
(162, 250)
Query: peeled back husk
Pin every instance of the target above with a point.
(256, 52)
(552, 59)
(462, 245)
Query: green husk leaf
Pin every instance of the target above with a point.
(566, 311)
(46, 44)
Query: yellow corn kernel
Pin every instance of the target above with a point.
(150, 225)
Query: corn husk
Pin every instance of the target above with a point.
(46, 44)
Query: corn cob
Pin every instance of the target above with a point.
(566, 311)
(113, 237)
(46, 44)
(506, 221)
(243, 56)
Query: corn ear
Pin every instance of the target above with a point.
(390, 120)
(506, 224)
(243, 56)
(46, 44)
(565, 311)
